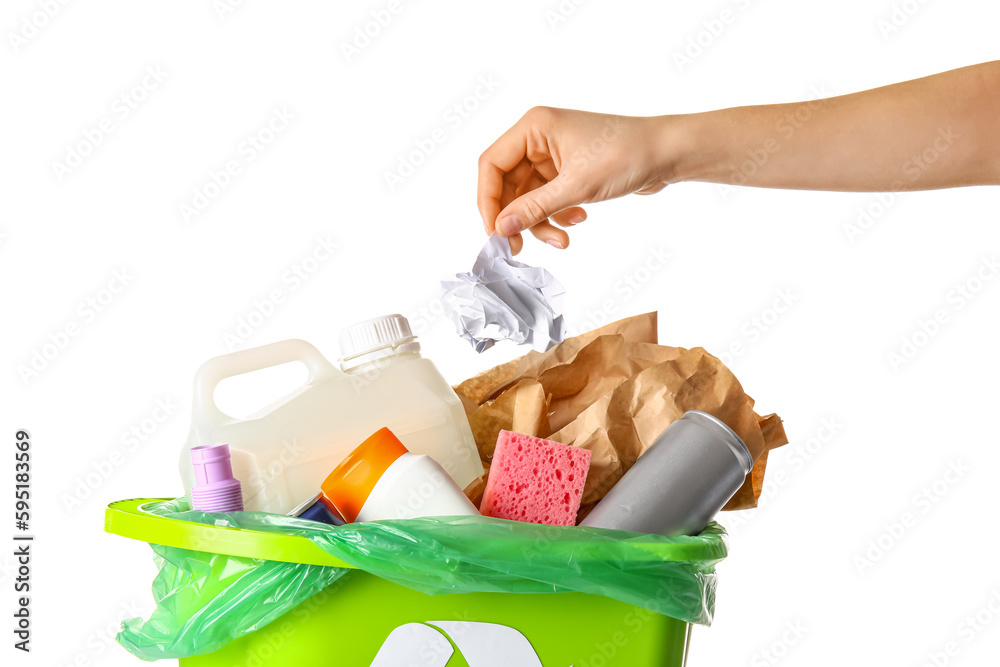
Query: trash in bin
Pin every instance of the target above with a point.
(613, 391)
(264, 588)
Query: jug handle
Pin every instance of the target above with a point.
(217, 369)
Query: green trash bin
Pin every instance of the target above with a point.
(362, 619)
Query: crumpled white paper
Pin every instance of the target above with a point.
(502, 299)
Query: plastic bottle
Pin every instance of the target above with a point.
(685, 477)
(314, 510)
(282, 453)
(406, 390)
(382, 480)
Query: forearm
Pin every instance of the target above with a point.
(936, 132)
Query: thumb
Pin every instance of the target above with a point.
(535, 206)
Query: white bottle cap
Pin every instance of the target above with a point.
(374, 339)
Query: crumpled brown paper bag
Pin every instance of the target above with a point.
(613, 391)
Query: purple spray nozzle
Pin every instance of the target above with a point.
(212, 463)
(215, 489)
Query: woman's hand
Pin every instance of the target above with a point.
(552, 160)
(940, 131)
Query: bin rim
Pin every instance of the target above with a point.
(131, 519)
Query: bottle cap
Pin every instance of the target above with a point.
(375, 339)
(215, 489)
(346, 489)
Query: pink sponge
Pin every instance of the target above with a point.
(535, 480)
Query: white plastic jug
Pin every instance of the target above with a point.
(283, 453)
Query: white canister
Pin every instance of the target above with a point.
(282, 452)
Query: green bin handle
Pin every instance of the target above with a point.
(128, 518)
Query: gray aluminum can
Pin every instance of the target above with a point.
(677, 485)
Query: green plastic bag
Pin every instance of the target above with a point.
(205, 600)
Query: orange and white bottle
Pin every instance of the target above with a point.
(381, 479)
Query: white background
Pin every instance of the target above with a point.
(825, 360)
